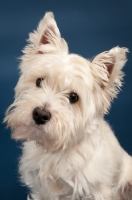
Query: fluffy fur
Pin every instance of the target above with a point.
(74, 155)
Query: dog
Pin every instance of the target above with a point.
(69, 150)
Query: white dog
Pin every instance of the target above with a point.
(69, 151)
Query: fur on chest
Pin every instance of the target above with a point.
(73, 173)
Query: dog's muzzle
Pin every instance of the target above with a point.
(41, 116)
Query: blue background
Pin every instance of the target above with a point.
(89, 27)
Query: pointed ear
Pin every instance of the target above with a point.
(112, 62)
(107, 71)
(46, 38)
(47, 29)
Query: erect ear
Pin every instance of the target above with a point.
(46, 38)
(107, 71)
(47, 29)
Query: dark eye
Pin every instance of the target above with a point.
(38, 82)
(73, 97)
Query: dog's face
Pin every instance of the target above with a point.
(59, 95)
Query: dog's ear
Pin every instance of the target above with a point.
(107, 71)
(47, 29)
(46, 38)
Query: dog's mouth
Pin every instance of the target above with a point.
(34, 132)
(28, 132)
(50, 131)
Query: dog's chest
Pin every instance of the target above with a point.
(65, 174)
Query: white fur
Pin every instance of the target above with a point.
(75, 155)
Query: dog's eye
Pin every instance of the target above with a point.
(38, 82)
(73, 97)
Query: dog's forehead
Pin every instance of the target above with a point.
(68, 69)
(63, 72)
(70, 65)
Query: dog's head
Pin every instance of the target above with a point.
(59, 95)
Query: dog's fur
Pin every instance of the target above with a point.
(75, 155)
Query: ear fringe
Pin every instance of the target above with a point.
(46, 38)
(45, 23)
(108, 80)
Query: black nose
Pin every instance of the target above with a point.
(41, 116)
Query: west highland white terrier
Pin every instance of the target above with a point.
(69, 150)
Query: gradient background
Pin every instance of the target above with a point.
(89, 27)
